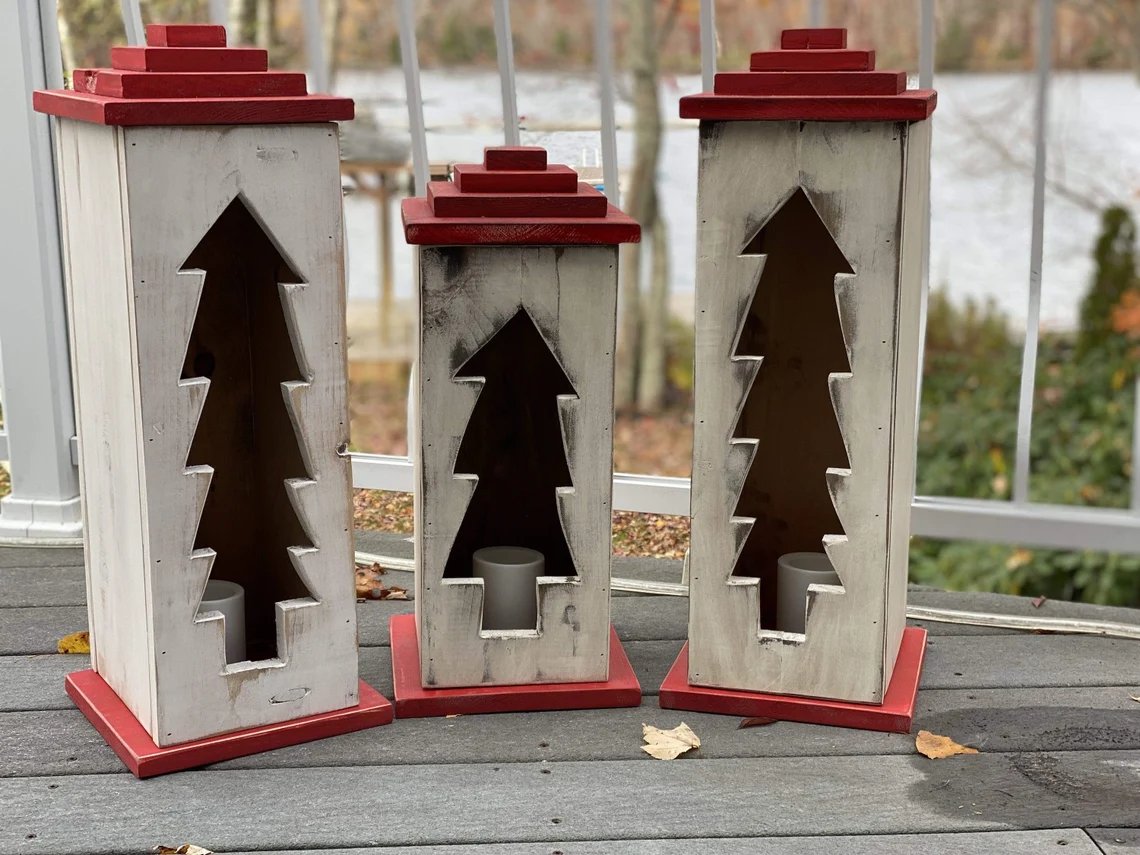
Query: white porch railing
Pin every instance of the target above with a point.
(1019, 521)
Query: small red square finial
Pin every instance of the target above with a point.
(816, 38)
(526, 157)
(185, 35)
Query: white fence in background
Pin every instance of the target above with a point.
(1018, 521)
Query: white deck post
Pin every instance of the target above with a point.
(38, 414)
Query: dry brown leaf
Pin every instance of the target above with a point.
(755, 721)
(76, 642)
(1038, 602)
(668, 744)
(393, 593)
(938, 747)
(367, 579)
(184, 849)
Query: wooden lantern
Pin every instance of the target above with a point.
(201, 202)
(812, 195)
(513, 448)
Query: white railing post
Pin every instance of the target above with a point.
(708, 44)
(410, 58)
(1036, 251)
(132, 22)
(220, 12)
(315, 45)
(505, 49)
(38, 410)
(604, 62)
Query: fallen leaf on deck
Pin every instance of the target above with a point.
(1135, 698)
(184, 849)
(1038, 602)
(393, 593)
(755, 721)
(668, 744)
(76, 642)
(453, 715)
(937, 747)
(367, 579)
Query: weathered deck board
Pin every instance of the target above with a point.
(963, 843)
(1052, 715)
(534, 802)
(994, 720)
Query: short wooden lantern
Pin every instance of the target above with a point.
(202, 213)
(513, 449)
(812, 194)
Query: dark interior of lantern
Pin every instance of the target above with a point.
(513, 442)
(241, 342)
(793, 322)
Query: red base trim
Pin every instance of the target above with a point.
(911, 106)
(414, 701)
(192, 111)
(137, 750)
(422, 226)
(895, 715)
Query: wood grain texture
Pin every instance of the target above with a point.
(621, 689)
(448, 200)
(911, 106)
(843, 653)
(460, 804)
(466, 296)
(1077, 841)
(98, 271)
(476, 178)
(287, 177)
(217, 84)
(816, 83)
(134, 747)
(193, 111)
(813, 60)
(185, 35)
(813, 38)
(422, 227)
(137, 58)
(894, 715)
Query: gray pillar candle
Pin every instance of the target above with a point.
(794, 572)
(510, 596)
(229, 599)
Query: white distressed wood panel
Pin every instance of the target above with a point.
(466, 295)
(100, 320)
(916, 192)
(852, 174)
(179, 180)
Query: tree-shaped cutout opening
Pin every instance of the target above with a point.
(513, 443)
(793, 323)
(241, 343)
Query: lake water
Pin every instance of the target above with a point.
(981, 184)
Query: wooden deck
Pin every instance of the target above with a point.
(1059, 768)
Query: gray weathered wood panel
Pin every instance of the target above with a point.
(526, 802)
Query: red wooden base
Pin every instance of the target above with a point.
(893, 716)
(414, 701)
(137, 750)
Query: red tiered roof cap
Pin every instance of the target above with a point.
(185, 75)
(812, 77)
(515, 198)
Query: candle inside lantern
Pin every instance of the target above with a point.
(509, 574)
(794, 572)
(229, 599)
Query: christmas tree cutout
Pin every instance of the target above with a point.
(241, 343)
(793, 323)
(513, 443)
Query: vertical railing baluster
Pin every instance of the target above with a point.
(219, 12)
(411, 62)
(505, 49)
(1136, 449)
(49, 35)
(708, 44)
(815, 13)
(132, 21)
(604, 60)
(925, 81)
(315, 46)
(1036, 250)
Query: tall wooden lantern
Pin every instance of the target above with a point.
(812, 195)
(201, 202)
(513, 451)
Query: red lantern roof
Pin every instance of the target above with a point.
(812, 77)
(515, 198)
(185, 75)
